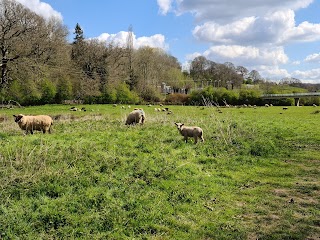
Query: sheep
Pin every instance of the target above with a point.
(136, 116)
(195, 132)
(30, 123)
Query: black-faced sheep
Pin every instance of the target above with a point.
(195, 132)
(30, 123)
(136, 116)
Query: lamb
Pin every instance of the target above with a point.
(195, 132)
(136, 116)
(30, 123)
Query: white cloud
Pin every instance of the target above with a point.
(247, 56)
(213, 32)
(164, 5)
(120, 38)
(272, 72)
(304, 32)
(313, 58)
(157, 41)
(223, 11)
(192, 56)
(276, 28)
(311, 76)
(41, 8)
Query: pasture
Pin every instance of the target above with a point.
(256, 176)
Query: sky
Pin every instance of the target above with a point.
(278, 38)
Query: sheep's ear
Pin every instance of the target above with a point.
(17, 118)
(14, 116)
(176, 123)
(182, 124)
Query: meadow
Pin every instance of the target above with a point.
(256, 176)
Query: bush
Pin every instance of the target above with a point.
(150, 94)
(64, 90)
(177, 99)
(31, 95)
(217, 95)
(250, 97)
(124, 95)
(48, 91)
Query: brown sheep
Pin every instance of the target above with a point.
(195, 132)
(136, 116)
(30, 123)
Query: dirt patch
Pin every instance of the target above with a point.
(281, 192)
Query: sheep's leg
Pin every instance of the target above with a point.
(195, 140)
(186, 139)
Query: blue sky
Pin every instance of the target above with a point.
(277, 38)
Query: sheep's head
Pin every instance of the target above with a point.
(18, 117)
(179, 125)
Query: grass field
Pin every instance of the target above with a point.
(256, 176)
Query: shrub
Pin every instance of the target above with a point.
(124, 95)
(64, 90)
(218, 95)
(150, 94)
(48, 91)
(177, 98)
(250, 97)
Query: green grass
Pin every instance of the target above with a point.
(255, 176)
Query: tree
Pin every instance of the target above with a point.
(198, 68)
(255, 76)
(78, 34)
(78, 44)
(242, 71)
(17, 24)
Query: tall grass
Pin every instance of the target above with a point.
(255, 176)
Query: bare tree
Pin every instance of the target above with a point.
(25, 35)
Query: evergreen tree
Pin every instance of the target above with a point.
(78, 34)
(78, 43)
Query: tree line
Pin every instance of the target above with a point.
(39, 66)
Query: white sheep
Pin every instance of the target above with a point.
(136, 116)
(195, 132)
(30, 123)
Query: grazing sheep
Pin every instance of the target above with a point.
(195, 132)
(136, 116)
(30, 123)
